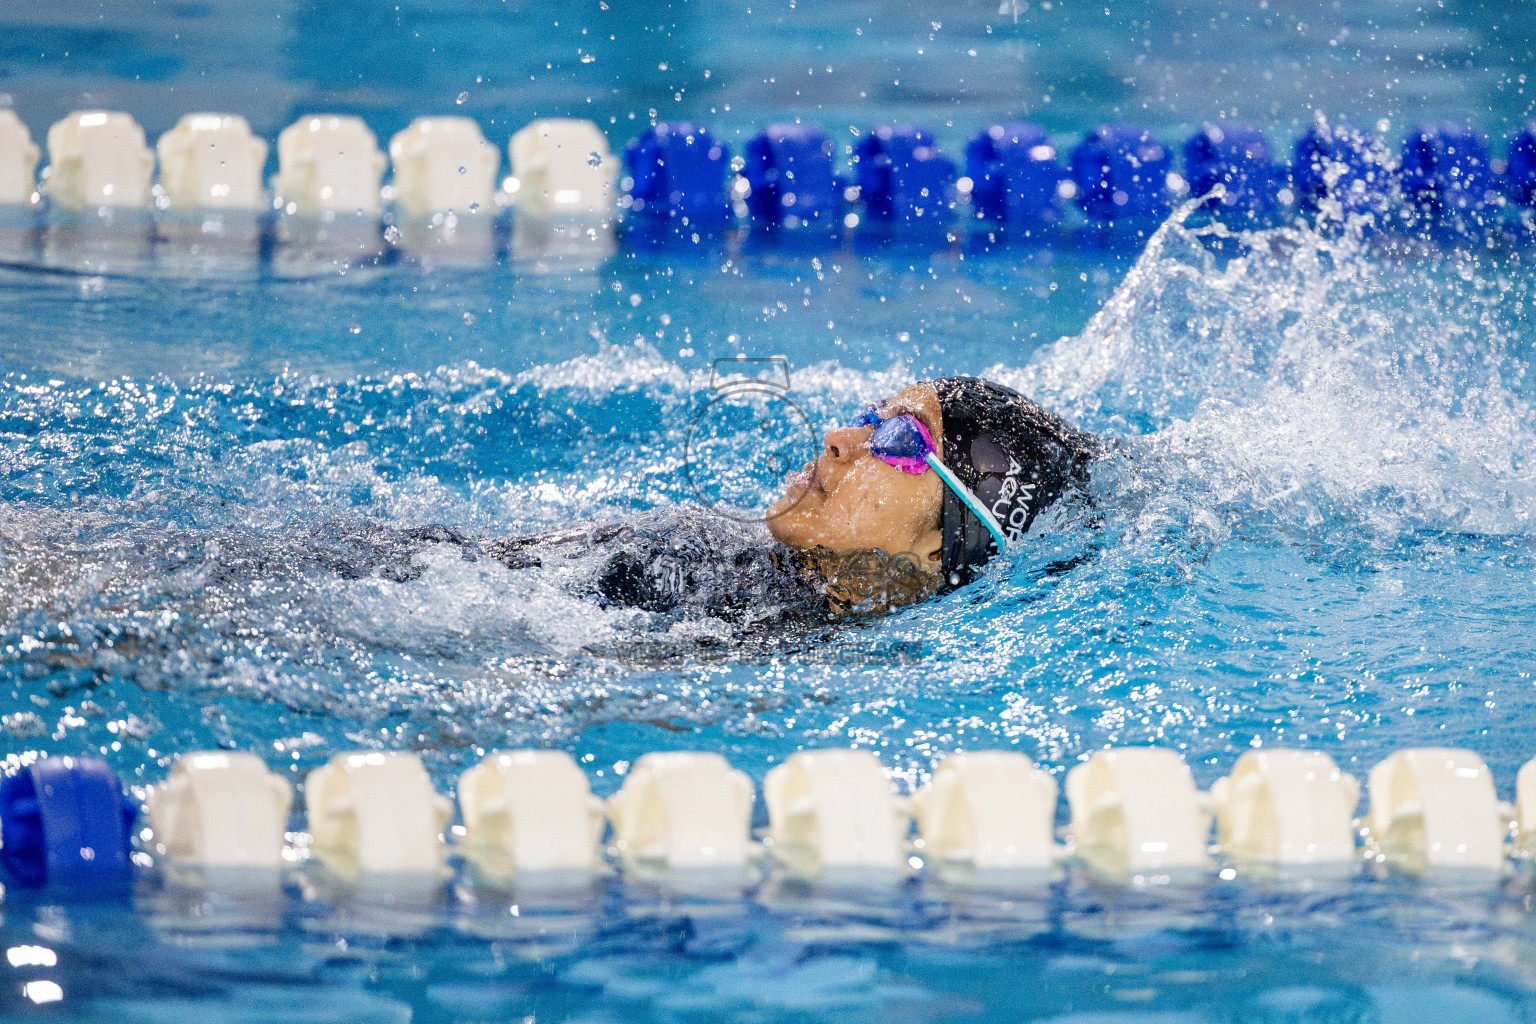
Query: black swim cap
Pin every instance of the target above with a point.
(1012, 454)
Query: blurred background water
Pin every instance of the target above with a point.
(735, 64)
(1314, 530)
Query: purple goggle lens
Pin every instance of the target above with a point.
(901, 441)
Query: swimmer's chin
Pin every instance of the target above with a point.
(796, 489)
(777, 526)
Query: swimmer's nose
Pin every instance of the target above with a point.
(845, 444)
(839, 450)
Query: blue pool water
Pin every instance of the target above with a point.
(1315, 528)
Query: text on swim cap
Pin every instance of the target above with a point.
(1014, 521)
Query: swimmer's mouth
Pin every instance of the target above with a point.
(807, 479)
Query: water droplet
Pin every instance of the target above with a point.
(594, 158)
(392, 234)
(462, 97)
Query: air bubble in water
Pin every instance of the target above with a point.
(594, 158)
(392, 234)
(462, 97)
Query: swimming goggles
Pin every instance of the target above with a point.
(905, 443)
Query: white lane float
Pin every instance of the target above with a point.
(989, 810)
(98, 159)
(220, 809)
(530, 811)
(329, 163)
(374, 812)
(683, 810)
(562, 166)
(1525, 805)
(1435, 807)
(1286, 807)
(18, 161)
(834, 809)
(212, 162)
(444, 164)
(1135, 811)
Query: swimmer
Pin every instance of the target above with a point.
(909, 501)
(944, 475)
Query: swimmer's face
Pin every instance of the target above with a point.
(847, 499)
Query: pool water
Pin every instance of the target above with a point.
(1314, 528)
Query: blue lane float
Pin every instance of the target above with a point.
(789, 172)
(64, 821)
(1344, 163)
(902, 176)
(1121, 173)
(1239, 158)
(678, 172)
(1446, 171)
(1520, 172)
(1015, 176)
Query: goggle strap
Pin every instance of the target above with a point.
(969, 500)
